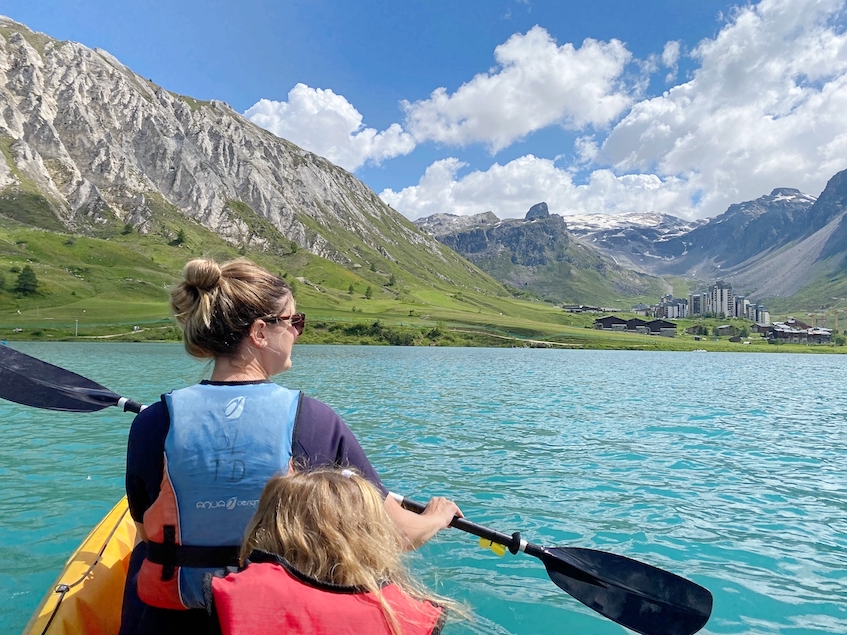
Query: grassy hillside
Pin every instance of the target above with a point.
(89, 286)
(826, 294)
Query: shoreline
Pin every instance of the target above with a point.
(380, 334)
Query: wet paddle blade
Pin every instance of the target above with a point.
(32, 382)
(641, 597)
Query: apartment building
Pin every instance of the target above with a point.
(720, 301)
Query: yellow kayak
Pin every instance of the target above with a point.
(87, 596)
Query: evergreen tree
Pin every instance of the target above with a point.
(369, 293)
(180, 238)
(27, 283)
(350, 289)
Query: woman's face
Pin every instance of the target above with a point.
(281, 338)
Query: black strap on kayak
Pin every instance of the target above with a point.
(171, 555)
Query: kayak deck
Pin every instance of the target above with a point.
(87, 596)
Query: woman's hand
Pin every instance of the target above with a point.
(442, 511)
(418, 528)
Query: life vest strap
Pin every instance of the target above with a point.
(171, 555)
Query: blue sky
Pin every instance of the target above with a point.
(594, 107)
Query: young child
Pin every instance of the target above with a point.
(321, 556)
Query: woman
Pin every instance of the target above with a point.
(322, 557)
(198, 459)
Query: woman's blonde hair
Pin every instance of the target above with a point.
(331, 525)
(216, 304)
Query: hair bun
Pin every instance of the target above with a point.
(202, 273)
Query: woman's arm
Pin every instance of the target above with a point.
(419, 528)
(145, 458)
(322, 438)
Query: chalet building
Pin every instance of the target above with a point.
(581, 308)
(662, 327)
(636, 325)
(796, 332)
(610, 323)
(794, 323)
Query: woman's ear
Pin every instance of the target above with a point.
(258, 335)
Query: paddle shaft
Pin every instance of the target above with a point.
(514, 542)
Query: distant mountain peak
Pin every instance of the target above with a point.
(443, 224)
(587, 223)
(539, 210)
(789, 194)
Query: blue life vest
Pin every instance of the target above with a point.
(224, 443)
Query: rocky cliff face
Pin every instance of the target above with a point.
(88, 143)
(743, 231)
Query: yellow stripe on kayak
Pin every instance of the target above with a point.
(87, 596)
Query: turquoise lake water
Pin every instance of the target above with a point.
(728, 469)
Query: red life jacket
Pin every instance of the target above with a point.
(273, 598)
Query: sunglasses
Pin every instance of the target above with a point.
(297, 320)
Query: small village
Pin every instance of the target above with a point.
(718, 302)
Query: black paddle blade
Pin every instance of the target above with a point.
(641, 597)
(31, 382)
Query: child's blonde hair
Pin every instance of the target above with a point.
(331, 525)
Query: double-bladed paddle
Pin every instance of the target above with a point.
(636, 595)
(639, 596)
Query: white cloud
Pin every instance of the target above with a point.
(327, 124)
(510, 190)
(767, 107)
(670, 59)
(670, 54)
(586, 149)
(536, 85)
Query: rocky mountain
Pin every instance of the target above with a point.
(89, 146)
(802, 250)
(769, 247)
(630, 238)
(538, 254)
